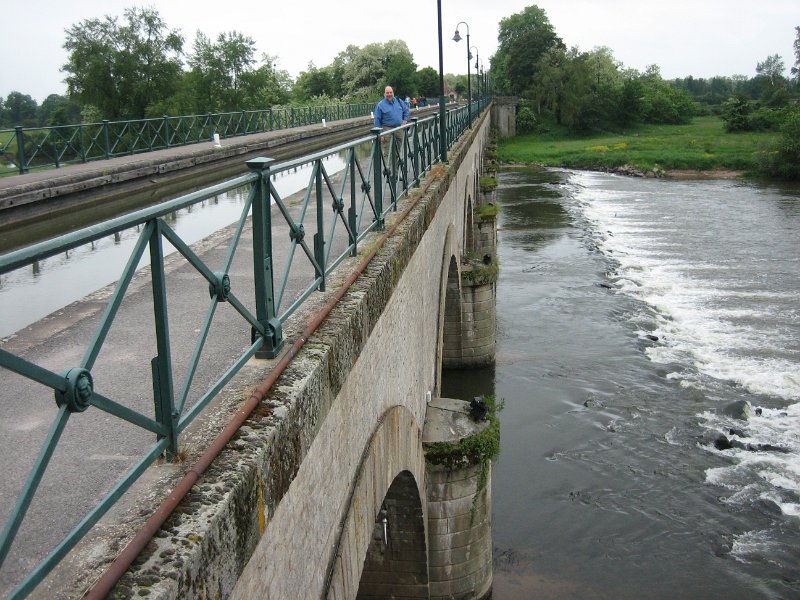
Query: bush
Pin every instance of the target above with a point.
(526, 120)
(765, 119)
(666, 105)
(783, 161)
(735, 113)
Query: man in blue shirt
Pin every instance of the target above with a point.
(391, 111)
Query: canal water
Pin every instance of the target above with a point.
(632, 313)
(31, 293)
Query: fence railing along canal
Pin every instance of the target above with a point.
(378, 170)
(26, 148)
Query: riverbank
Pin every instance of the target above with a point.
(700, 149)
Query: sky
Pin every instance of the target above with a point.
(702, 38)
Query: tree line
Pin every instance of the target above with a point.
(136, 67)
(586, 91)
(583, 92)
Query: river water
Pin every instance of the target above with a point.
(29, 294)
(631, 312)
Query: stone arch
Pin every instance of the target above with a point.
(449, 344)
(469, 226)
(396, 565)
(390, 478)
(476, 172)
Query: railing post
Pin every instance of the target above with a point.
(377, 176)
(415, 159)
(106, 139)
(319, 237)
(352, 215)
(442, 130)
(270, 118)
(208, 127)
(262, 260)
(82, 143)
(166, 131)
(23, 167)
(404, 165)
(161, 365)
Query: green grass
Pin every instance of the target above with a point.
(701, 145)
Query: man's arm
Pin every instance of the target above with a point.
(406, 112)
(377, 113)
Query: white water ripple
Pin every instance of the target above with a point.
(723, 308)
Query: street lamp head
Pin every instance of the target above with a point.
(457, 37)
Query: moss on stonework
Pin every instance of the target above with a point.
(487, 183)
(488, 212)
(477, 449)
(481, 274)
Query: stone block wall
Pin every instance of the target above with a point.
(460, 533)
(478, 325)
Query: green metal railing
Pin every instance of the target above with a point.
(26, 148)
(378, 170)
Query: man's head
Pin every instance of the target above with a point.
(388, 93)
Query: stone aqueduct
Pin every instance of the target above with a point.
(325, 493)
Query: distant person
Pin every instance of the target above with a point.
(414, 102)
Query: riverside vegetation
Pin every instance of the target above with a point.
(702, 145)
(587, 110)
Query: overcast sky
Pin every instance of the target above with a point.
(684, 37)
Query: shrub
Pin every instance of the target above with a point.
(526, 120)
(783, 161)
(735, 113)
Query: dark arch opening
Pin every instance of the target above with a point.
(396, 564)
(451, 343)
(469, 227)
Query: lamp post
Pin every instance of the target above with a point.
(442, 110)
(477, 72)
(457, 38)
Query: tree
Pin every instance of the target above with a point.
(58, 110)
(265, 86)
(313, 82)
(796, 46)
(772, 69)
(523, 39)
(401, 73)
(218, 70)
(736, 112)
(428, 82)
(122, 69)
(19, 109)
(364, 71)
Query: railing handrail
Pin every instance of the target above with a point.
(392, 169)
(27, 148)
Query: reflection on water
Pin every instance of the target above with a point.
(30, 293)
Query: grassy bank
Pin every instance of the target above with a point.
(702, 145)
